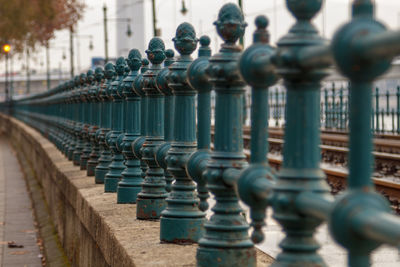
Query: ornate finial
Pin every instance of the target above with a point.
(109, 70)
(76, 80)
(156, 51)
(82, 78)
(362, 8)
(185, 39)
(90, 76)
(230, 24)
(204, 49)
(99, 74)
(261, 35)
(145, 64)
(304, 9)
(134, 59)
(120, 65)
(169, 53)
(71, 83)
(170, 57)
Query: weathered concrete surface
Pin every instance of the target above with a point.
(16, 218)
(53, 252)
(92, 228)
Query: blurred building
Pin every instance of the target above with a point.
(139, 13)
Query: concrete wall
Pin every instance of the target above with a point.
(92, 228)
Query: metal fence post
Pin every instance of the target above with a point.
(151, 199)
(116, 166)
(96, 121)
(130, 185)
(105, 156)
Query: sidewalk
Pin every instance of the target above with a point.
(16, 218)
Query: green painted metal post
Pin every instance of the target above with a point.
(387, 111)
(259, 173)
(138, 143)
(276, 107)
(116, 166)
(398, 109)
(130, 185)
(362, 38)
(377, 110)
(169, 100)
(182, 221)
(105, 156)
(326, 102)
(302, 74)
(151, 199)
(94, 92)
(226, 241)
(334, 112)
(87, 148)
(68, 122)
(81, 109)
(75, 112)
(392, 114)
(198, 80)
(341, 120)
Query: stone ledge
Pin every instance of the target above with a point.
(93, 229)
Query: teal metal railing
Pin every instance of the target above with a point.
(140, 128)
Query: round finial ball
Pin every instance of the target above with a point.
(89, 72)
(145, 62)
(134, 53)
(120, 61)
(109, 66)
(230, 23)
(169, 53)
(205, 40)
(261, 22)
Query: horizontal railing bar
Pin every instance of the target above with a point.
(312, 204)
(315, 57)
(375, 46)
(380, 226)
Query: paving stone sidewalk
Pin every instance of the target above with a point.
(16, 218)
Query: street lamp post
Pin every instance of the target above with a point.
(6, 82)
(71, 47)
(48, 66)
(105, 21)
(28, 74)
(183, 10)
(155, 31)
(6, 50)
(241, 40)
(105, 32)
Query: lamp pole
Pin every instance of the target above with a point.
(28, 74)
(6, 50)
(48, 66)
(105, 20)
(105, 33)
(241, 40)
(71, 49)
(6, 83)
(11, 76)
(155, 32)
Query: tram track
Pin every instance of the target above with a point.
(386, 176)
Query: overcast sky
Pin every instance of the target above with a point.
(201, 13)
